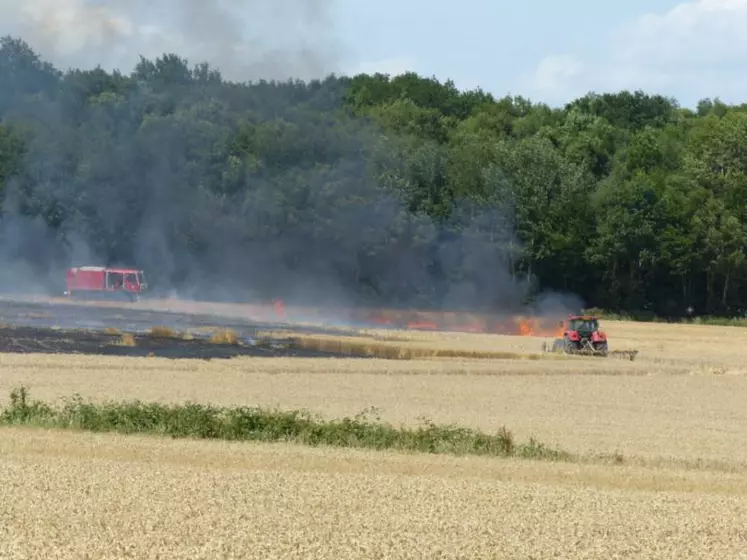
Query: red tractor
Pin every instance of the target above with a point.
(105, 283)
(582, 336)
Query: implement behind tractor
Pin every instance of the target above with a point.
(582, 336)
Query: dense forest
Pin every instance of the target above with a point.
(369, 189)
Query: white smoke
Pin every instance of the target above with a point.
(245, 40)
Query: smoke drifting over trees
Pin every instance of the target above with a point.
(367, 189)
(233, 191)
(246, 39)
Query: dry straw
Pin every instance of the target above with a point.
(401, 350)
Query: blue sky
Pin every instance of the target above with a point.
(552, 51)
(547, 50)
(481, 42)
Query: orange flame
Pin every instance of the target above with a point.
(526, 328)
(420, 320)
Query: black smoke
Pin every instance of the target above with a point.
(231, 192)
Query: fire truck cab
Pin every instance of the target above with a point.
(101, 282)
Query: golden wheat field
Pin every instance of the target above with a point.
(676, 414)
(681, 399)
(71, 495)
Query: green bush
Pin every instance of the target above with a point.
(256, 424)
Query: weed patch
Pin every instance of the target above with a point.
(255, 424)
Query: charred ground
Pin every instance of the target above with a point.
(58, 328)
(57, 341)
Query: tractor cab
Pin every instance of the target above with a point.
(585, 325)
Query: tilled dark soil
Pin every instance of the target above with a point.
(23, 339)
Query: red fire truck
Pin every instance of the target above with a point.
(103, 283)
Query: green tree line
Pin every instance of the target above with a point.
(391, 190)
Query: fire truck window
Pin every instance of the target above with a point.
(131, 279)
(115, 279)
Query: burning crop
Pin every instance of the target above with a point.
(518, 325)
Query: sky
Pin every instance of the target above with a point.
(546, 50)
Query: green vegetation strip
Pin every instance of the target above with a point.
(256, 424)
(640, 317)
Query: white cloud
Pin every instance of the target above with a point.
(697, 49)
(556, 74)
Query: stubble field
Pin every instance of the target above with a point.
(675, 415)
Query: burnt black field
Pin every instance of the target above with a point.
(51, 328)
(40, 340)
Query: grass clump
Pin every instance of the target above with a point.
(256, 424)
(161, 331)
(126, 339)
(224, 336)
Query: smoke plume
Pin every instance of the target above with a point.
(221, 193)
(246, 39)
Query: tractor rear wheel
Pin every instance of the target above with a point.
(569, 347)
